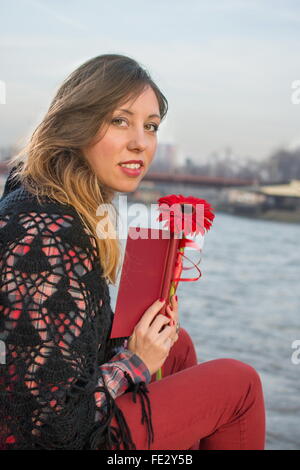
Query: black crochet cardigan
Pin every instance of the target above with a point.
(53, 406)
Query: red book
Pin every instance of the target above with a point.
(147, 273)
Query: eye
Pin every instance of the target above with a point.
(155, 126)
(118, 119)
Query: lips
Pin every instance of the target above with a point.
(132, 172)
(140, 162)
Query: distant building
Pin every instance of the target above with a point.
(277, 202)
(165, 158)
(283, 190)
(283, 196)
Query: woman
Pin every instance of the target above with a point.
(65, 384)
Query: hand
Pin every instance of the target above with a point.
(152, 337)
(174, 315)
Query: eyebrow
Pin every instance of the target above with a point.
(131, 113)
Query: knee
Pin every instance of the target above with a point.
(184, 338)
(242, 371)
(185, 348)
(184, 335)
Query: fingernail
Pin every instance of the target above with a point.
(176, 298)
(161, 299)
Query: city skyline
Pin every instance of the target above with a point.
(227, 68)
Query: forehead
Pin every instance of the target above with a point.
(146, 99)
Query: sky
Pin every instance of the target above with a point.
(226, 66)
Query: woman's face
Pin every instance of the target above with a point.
(130, 135)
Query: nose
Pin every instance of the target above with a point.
(137, 140)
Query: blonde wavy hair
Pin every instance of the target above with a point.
(52, 162)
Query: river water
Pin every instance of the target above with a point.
(246, 306)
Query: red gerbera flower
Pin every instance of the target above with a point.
(187, 214)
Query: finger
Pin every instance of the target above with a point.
(150, 313)
(174, 301)
(170, 312)
(168, 342)
(158, 323)
(174, 306)
(173, 314)
(166, 333)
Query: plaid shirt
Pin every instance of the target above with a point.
(114, 377)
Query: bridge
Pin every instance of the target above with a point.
(196, 180)
(179, 179)
(158, 184)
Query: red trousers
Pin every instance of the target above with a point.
(218, 404)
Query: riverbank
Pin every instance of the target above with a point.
(274, 215)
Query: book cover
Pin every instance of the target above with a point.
(147, 273)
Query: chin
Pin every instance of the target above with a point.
(127, 190)
(130, 187)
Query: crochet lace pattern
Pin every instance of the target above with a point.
(55, 323)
